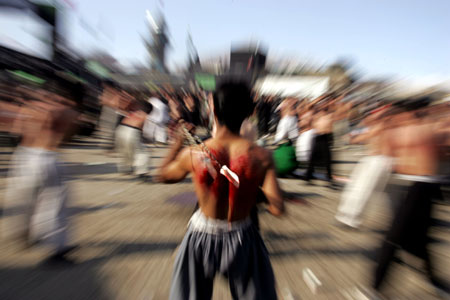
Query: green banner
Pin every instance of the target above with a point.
(98, 69)
(27, 76)
(75, 77)
(206, 81)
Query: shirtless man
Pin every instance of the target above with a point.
(414, 146)
(221, 238)
(370, 175)
(128, 140)
(35, 180)
(323, 126)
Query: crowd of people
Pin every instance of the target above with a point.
(233, 171)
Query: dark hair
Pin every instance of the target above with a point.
(111, 84)
(413, 104)
(146, 107)
(78, 94)
(233, 103)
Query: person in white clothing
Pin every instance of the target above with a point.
(304, 145)
(35, 184)
(129, 140)
(287, 127)
(305, 140)
(370, 175)
(155, 127)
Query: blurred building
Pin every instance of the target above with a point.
(158, 43)
(247, 63)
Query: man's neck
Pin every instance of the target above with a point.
(223, 132)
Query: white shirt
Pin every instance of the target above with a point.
(287, 128)
(159, 113)
(304, 145)
(155, 125)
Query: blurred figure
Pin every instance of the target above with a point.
(129, 140)
(190, 110)
(341, 126)
(155, 127)
(110, 114)
(287, 132)
(370, 175)
(323, 140)
(249, 128)
(221, 237)
(35, 180)
(414, 146)
(287, 127)
(305, 140)
(174, 115)
(264, 109)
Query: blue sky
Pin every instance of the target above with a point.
(397, 37)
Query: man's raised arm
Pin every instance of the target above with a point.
(272, 191)
(177, 163)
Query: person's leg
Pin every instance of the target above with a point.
(60, 234)
(190, 280)
(353, 192)
(49, 222)
(141, 159)
(128, 148)
(112, 128)
(370, 175)
(429, 268)
(384, 259)
(121, 143)
(394, 237)
(250, 273)
(422, 195)
(312, 159)
(327, 143)
(22, 185)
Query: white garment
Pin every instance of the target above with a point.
(287, 128)
(155, 127)
(128, 144)
(304, 145)
(370, 176)
(37, 197)
(201, 223)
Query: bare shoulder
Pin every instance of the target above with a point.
(261, 155)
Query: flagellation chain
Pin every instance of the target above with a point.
(193, 139)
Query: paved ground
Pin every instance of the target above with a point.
(128, 232)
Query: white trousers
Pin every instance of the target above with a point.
(369, 177)
(129, 146)
(155, 132)
(37, 198)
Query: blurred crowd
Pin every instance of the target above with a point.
(406, 146)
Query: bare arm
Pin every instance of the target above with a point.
(315, 101)
(176, 165)
(362, 137)
(273, 193)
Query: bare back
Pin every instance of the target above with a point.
(416, 150)
(324, 124)
(218, 198)
(44, 125)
